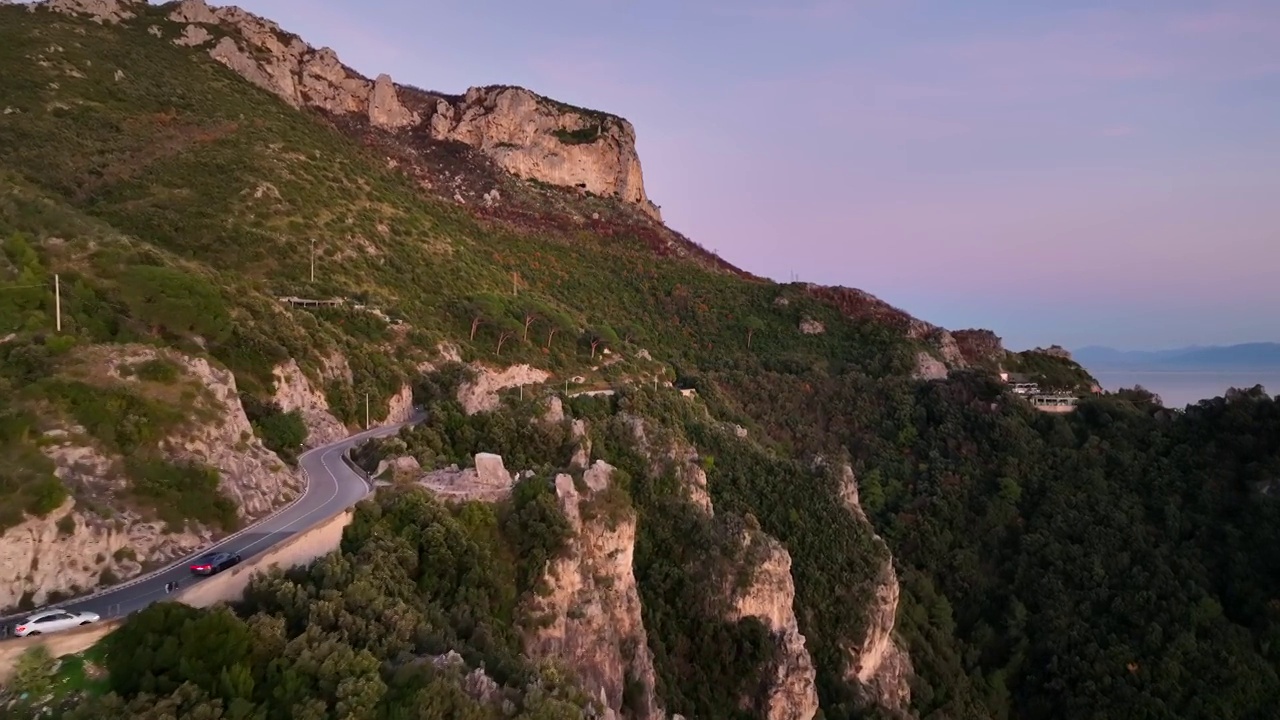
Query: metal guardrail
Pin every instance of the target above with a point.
(355, 467)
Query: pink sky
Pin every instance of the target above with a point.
(1073, 172)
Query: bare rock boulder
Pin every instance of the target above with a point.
(385, 109)
(491, 471)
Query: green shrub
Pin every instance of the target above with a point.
(33, 673)
(174, 302)
(181, 492)
(161, 370)
(120, 419)
(283, 433)
(27, 481)
(537, 530)
(580, 136)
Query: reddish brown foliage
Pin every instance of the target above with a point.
(457, 172)
(859, 305)
(979, 346)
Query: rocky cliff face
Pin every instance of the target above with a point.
(95, 538)
(102, 11)
(684, 458)
(525, 134)
(74, 550)
(791, 692)
(534, 137)
(979, 347)
(880, 665)
(929, 368)
(480, 393)
(400, 406)
(251, 475)
(293, 391)
(592, 615)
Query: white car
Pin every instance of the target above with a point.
(47, 621)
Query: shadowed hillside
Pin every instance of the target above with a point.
(788, 501)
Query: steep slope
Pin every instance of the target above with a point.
(507, 129)
(155, 456)
(128, 146)
(639, 614)
(996, 563)
(183, 207)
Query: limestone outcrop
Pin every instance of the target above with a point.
(524, 133)
(591, 619)
(385, 108)
(251, 475)
(193, 36)
(979, 346)
(101, 11)
(534, 137)
(81, 546)
(488, 480)
(929, 367)
(880, 665)
(480, 393)
(293, 391)
(682, 455)
(73, 550)
(400, 406)
(792, 692)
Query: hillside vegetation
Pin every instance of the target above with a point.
(177, 202)
(1114, 562)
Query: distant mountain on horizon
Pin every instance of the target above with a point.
(1245, 356)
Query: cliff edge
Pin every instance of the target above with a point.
(528, 135)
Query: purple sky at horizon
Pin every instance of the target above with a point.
(1077, 172)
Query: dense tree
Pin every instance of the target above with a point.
(557, 321)
(507, 328)
(600, 336)
(485, 308)
(753, 325)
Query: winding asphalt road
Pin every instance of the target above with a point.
(332, 485)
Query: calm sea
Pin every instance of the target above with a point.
(1179, 389)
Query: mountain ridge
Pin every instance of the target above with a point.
(1241, 356)
(648, 486)
(468, 148)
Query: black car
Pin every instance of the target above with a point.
(214, 562)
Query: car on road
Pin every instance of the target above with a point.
(214, 562)
(54, 620)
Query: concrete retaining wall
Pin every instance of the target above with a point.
(301, 549)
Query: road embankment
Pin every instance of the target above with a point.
(229, 585)
(68, 642)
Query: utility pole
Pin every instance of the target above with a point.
(57, 300)
(366, 411)
(313, 259)
(515, 290)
